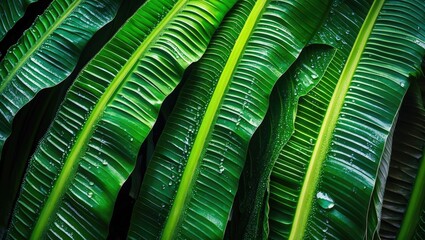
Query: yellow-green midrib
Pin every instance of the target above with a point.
(206, 126)
(324, 139)
(80, 144)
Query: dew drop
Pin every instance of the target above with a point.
(91, 183)
(104, 162)
(131, 139)
(90, 194)
(314, 76)
(325, 201)
(221, 169)
(170, 183)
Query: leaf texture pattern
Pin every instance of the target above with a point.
(91, 148)
(10, 13)
(47, 53)
(191, 182)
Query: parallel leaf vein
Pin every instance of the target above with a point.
(329, 122)
(208, 120)
(86, 132)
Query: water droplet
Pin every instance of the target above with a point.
(402, 84)
(314, 76)
(347, 32)
(325, 229)
(170, 183)
(324, 200)
(221, 169)
(90, 194)
(104, 162)
(131, 139)
(91, 183)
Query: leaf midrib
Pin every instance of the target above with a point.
(321, 148)
(37, 44)
(87, 130)
(211, 112)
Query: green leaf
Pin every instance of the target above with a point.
(267, 143)
(282, 120)
(322, 182)
(406, 159)
(47, 53)
(33, 119)
(29, 126)
(10, 13)
(91, 148)
(192, 179)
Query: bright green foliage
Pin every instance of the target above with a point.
(200, 156)
(85, 156)
(47, 53)
(365, 111)
(333, 156)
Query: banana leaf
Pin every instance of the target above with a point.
(33, 119)
(190, 183)
(301, 78)
(324, 177)
(47, 53)
(292, 92)
(89, 151)
(406, 162)
(10, 12)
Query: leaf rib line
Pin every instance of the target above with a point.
(329, 123)
(208, 120)
(86, 132)
(37, 44)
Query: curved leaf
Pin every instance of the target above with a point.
(10, 13)
(47, 53)
(323, 179)
(91, 148)
(285, 118)
(192, 179)
(33, 119)
(267, 143)
(407, 155)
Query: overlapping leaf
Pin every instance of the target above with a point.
(323, 179)
(267, 142)
(10, 13)
(47, 53)
(76, 173)
(407, 156)
(192, 179)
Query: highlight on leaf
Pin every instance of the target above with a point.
(224, 119)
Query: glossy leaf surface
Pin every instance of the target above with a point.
(47, 53)
(323, 179)
(10, 13)
(192, 179)
(91, 148)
